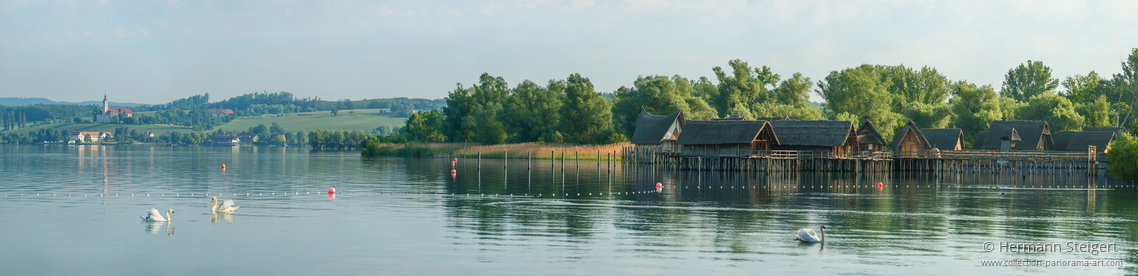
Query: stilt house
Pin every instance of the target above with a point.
(1032, 135)
(658, 132)
(868, 139)
(910, 141)
(727, 138)
(1081, 140)
(945, 138)
(836, 137)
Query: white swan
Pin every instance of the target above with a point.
(154, 215)
(808, 235)
(226, 206)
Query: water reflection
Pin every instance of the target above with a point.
(228, 217)
(152, 227)
(588, 217)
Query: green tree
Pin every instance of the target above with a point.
(1056, 110)
(975, 108)
(424, 127)
(1027, 80)
(1097, 113)
(794, 90)
(1123, 157)
(1083, 89)
(490, 130)
(745, 87)
(658, 95)
(855, 91)
(1128, 82)
(276, 128)
(532, 113)
(586, 116)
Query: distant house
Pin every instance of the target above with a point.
(726, 138)
(784, 117)
(81, 136)
(220, 112)
(837, 137)
(1032, 135)
(224, 140)
(247, 138)
(149, 134)
(910, 141)
(110, 112)
(1082, 140)
(945, 138)
(658, 132)
(868, 139)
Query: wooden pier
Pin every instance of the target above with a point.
(966, 161)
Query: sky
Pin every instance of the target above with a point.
(154, 52)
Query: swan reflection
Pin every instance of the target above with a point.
(227, 217)
(152, 227)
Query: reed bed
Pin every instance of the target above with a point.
(523, 150)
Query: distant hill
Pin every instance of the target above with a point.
(13, 101)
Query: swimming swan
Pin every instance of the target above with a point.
(226, 206)
(154, 215)
(808, 235)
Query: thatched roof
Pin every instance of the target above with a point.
(716, 132)
(979, 139)
(812, 133)
(1033, 134)
(651, 129)
(1079, 140)
(761, 118)
(915, 130)
(944, 138)
(867, 133)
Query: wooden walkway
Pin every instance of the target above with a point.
(879, 161)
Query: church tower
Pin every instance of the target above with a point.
(105, 106)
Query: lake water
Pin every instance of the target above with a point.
(69, 210)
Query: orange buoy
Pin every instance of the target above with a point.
(331, 190)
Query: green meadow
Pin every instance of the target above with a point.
(358, 119)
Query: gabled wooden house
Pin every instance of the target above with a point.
(910, 141)
(837, 137)
(658, 132)
(726, 138)
(1033, 135)
(1080, 141)
(868, 139)
(945, 138)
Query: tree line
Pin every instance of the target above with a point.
(571, 111)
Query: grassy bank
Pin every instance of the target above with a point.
(522, 150)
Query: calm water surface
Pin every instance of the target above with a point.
(69, 210)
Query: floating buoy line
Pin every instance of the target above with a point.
(659, 189)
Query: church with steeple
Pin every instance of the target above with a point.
(110, 112)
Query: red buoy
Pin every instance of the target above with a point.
(223, 167)
(331, 190)
(879, 185)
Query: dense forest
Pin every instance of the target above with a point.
(569, 110)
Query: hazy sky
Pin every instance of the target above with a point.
(157, 51)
